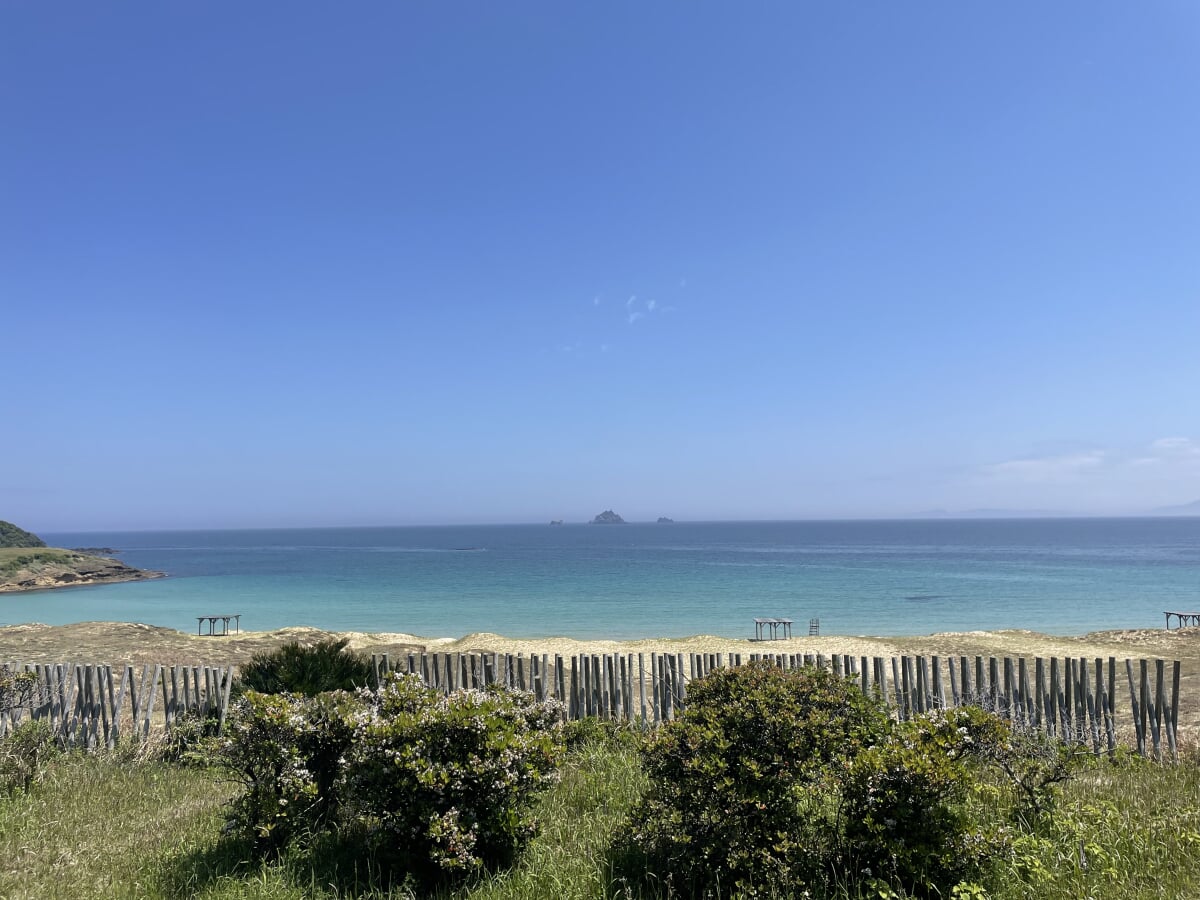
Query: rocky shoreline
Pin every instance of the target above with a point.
(38, 570)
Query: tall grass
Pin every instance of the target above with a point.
(108, 825)
(1121, 831)
(99, 826)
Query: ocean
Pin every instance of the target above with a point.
(1062, 576)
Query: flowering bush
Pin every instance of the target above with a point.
(904, 814)
(288, 753)
(442, 783)
(430, 786)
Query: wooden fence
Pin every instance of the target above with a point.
(1073, 699)
(94, 706)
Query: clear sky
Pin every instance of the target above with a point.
(273, 264)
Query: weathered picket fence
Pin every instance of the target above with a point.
(1073, 699)
(94, 706)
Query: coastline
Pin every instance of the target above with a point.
(23, 570)
(83, 581)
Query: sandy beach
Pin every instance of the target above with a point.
(121, 642)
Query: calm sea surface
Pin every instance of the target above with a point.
(1063, 576)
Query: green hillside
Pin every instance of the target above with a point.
(12, 536)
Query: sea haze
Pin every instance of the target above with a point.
(1064, 576)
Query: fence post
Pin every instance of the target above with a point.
(104, 698)
(1039, 697)
(668, 686)
(1136, 708)
(1105, 697)
(642, 685)
(921, 683)
(1173, 713)
(900, 687)
(1159, 690)
(1093, 719)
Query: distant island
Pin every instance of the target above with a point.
(556, 521)
(663, 520)
(608, 517)
(27, 564)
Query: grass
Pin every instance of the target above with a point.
(50, 553)
(1125, 831)
(109, 825)
(98, 826)
(13, 559)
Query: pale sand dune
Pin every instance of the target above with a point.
(121, 641)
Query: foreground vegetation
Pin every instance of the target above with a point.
(111, 826)
(772, 784)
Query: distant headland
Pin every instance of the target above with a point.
(27, 564)
(608, 517)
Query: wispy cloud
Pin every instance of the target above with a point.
(596, 300)
(636, 310)
(1178, 453)
(1175, 448)
(1046, 469)
(1172, 456)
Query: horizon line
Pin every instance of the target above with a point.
(1000, 516)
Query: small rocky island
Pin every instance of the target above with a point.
(608, 517)
(663, 520)
(27, 564)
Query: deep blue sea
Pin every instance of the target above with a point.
(1065, 576)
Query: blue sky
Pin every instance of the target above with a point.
(278, 264)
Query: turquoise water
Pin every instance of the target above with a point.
(1064, 576)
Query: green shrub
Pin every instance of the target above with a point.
(427, 786)
(905, 815)
(306, 669)
(740, 796)
(16, 689)
(191, 740)
(287, 751)
(780, 783)
(24, 754)
(444, 782)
